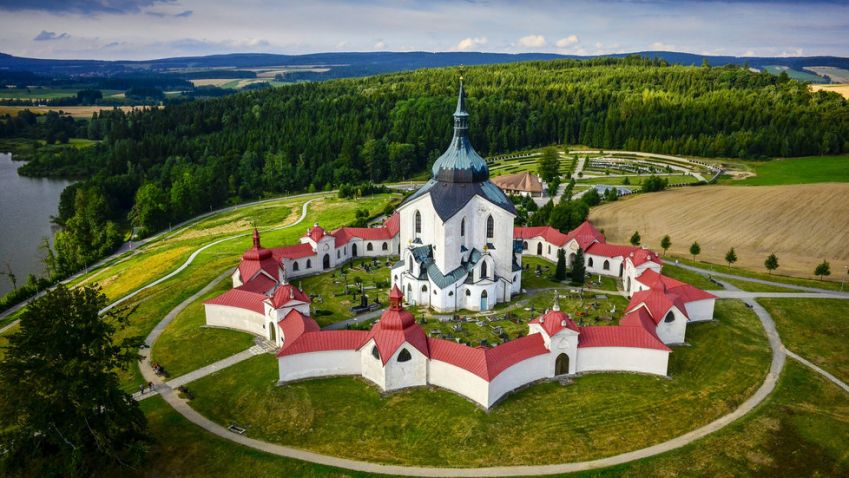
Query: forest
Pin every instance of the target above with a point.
(165, 165)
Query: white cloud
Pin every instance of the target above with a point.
(793, 52)
(568, 41)
(749, 53)
(658, 45)
(532, 41)
(380, 45)
(469, 43)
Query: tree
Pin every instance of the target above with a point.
(13, 279)
(695, 250)
(635, 238)
(771, 263)
(591, 198)
(60, 400)
(654, 183)
(560, 271)
(823, 269)
(579, 271)
(665, 243)
(730, 257)
(549, 166)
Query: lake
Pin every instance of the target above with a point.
(26, 205)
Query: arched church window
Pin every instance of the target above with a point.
(606, 265)
(463, 227)
(309, 263)
(525, 246)
(490, 227)
(483, 270)
(450, 293)
(404, 356)
(295, 266)
(484, 295)
(418, 223)
(670, 317)
(375, 353)
(385, 246)
(468, 293)
(410, 264)
(369, 247)
(590, 262)
(424, 288)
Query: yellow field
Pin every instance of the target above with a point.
(75, 111)
(841, 89)
(801, 224)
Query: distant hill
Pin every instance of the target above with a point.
(320, 66)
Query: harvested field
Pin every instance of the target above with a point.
(801, 224)
(840, 89)
(75, 111)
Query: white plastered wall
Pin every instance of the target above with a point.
(319, 364)
(625, 359)
(235, 318)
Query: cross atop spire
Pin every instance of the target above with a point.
(461, 116)
(256, 239)
(556, 305)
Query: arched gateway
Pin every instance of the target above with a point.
(561, 365)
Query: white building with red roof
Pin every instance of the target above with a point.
(396, 353)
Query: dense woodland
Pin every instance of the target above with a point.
(169, 164)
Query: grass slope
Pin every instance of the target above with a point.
(816, 329)
(812, 169)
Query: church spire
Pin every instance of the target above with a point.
(256, 239)
(460, 163)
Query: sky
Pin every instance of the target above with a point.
(147, 29)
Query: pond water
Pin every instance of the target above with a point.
(26, 205)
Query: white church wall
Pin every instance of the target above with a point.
(235, 318)
(458, 380)
(319, 364)
(625, 359)
(672, 332)
(406, 374)
(372, 367)
(597, 267)
(522, 373)
(235, 277)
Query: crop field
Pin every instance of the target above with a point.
(75, 111)
(842, 89)
(756, 221)
(44, 93)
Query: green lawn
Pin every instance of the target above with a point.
(637, 180)
(331, 303)
(186, 344)
(795, 74)
(755, 287)
(801, 430)
(816, 329)
(812, 169)
(597, 415)
(693, 278)
(782, 279)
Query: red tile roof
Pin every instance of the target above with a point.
(393, 224)
(548, 233)
(686, 292)
(345, 234)
(586, 234)
(487, 363)
(287, 293)
(316, 232)
(395, 327)
(610, 250)
(260, 284)
(658, 302)
(642, 255)
(554, 321)
(323, 340)
(241, 299)
(295, 324)
(293, 252)
(518, 182)
(613, 336)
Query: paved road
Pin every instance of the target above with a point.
(741, 294)
(706, 272)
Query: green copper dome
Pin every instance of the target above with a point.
(460, 163)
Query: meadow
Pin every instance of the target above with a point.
(807, 170)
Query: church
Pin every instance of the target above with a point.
(458, 250)
(456, 233)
